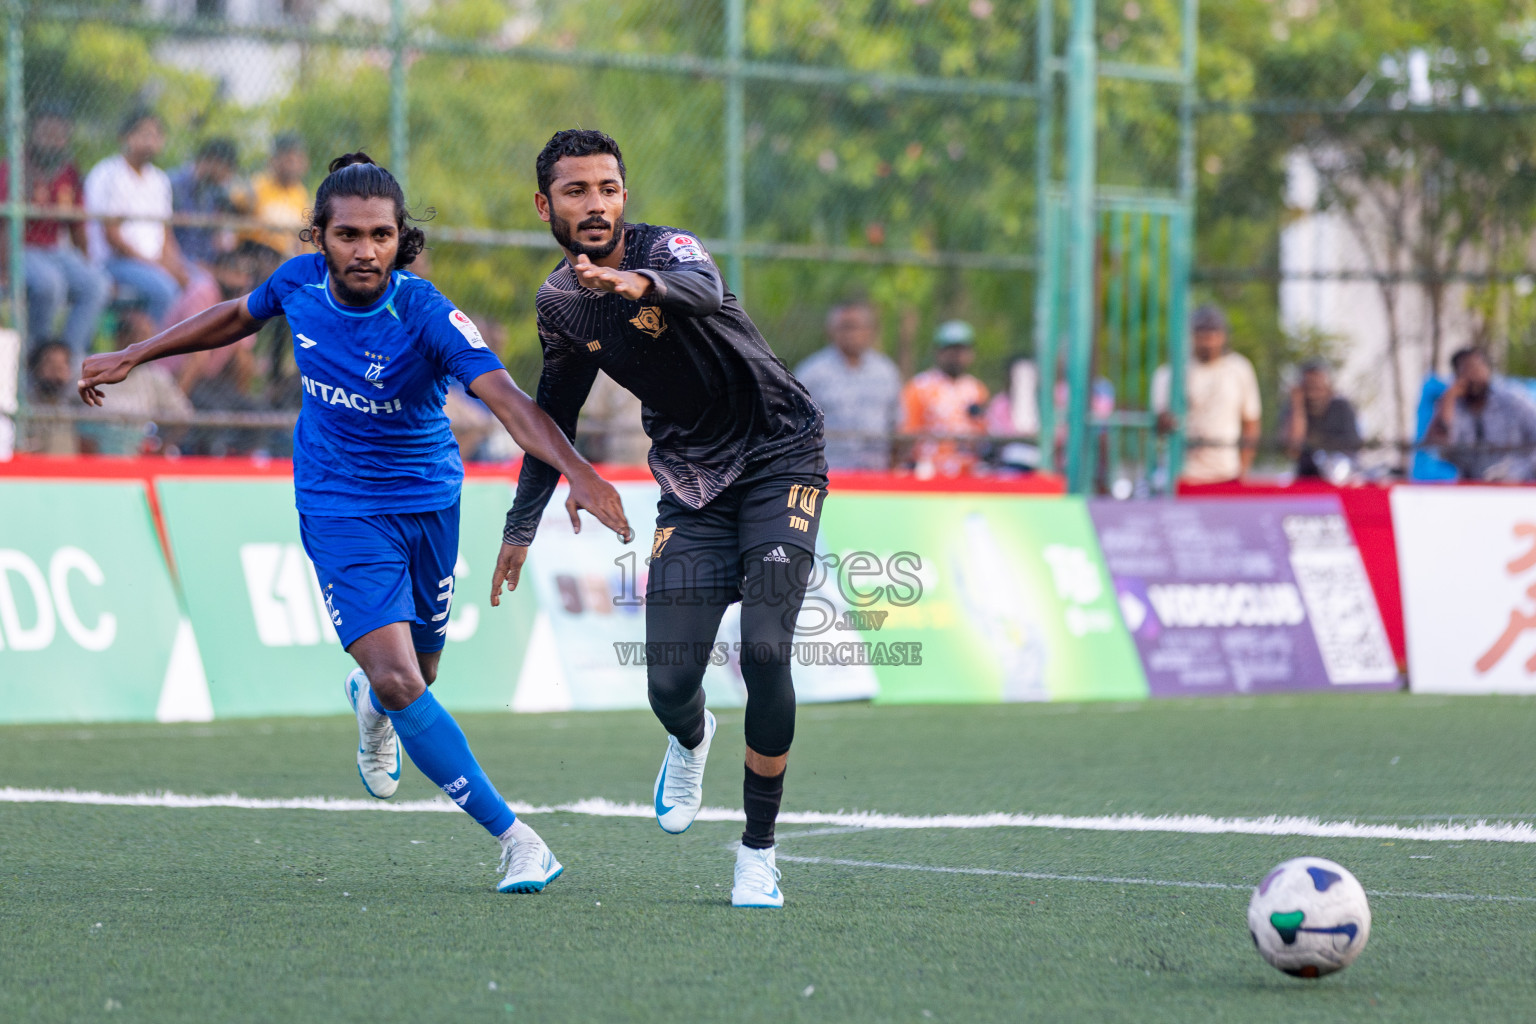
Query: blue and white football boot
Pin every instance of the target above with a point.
(680, 783)
(757, 879)
(526, 861)
(378, 748)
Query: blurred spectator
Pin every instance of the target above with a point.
(1485, 428)
(471, 421)
(50, 386)
(58, 276)
(1016, 412)
(132, 198)
(134, 405)
(208, 186)
(612, 427)
(222, 379)
(1222, 405)
(280, 197)
(1317, 422)
(857, 387)
(948, 402)
(13, 379)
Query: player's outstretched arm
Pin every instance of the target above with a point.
(538, 435)
(214, 327)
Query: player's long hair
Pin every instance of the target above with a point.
(355, 175)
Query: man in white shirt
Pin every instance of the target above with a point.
(1222, 407)
(857, 387)
(131, 200)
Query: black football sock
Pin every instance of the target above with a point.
(761, 796)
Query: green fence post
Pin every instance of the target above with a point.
(399, 126)
(1182, 242)
(1081, 161)
(735, 101)
(1045, 248)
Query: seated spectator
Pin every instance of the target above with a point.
(223, 379)
(471, 421)
(280, 199)
(857, 387)
(127, 425)
(208, 187)
(1015, 413)
(51, 380)
(13, 380)
(947, 404)
(59, 279)
(131, 198)
(1484, 428)
(1222, 404)
(1318, 422)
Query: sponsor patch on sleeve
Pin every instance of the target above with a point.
(686, 249)
(467, 327)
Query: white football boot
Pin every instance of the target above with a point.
(757, 879)
(680, 783)
(378, 748)
(526, 861)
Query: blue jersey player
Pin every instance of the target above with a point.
(377, 473)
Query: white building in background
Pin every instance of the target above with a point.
(253, 71)
(1316, 246)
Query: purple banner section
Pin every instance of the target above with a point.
(1244, 595)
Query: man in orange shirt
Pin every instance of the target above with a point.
(280, 197)
(946, 403)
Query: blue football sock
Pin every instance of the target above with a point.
(373, 698)
(437, 746)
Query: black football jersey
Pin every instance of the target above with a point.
(714, 396)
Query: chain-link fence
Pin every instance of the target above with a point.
(1363, 169)
(1367, 185)
(867, 150)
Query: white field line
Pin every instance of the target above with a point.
(1041, 876)
(1516, 832)
(1192, 824)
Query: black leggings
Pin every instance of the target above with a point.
(680, 628)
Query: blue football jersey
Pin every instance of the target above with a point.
(372, 437)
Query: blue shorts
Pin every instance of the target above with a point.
(375, 570)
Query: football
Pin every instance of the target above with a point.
(1309, 917)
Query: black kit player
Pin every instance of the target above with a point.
(736, 447)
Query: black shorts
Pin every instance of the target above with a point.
(775, 502)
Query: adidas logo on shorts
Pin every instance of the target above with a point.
(776, 555)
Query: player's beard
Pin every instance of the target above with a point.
(561, 229)
(345, 292)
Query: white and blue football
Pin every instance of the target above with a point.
(1309, 917)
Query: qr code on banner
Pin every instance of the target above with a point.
(1343, 613)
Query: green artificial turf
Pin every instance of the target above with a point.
(211, 915)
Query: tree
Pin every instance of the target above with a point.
(1397, 108)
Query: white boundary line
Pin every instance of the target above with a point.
(1192, 824)
(1041, 876)
(1505, 832)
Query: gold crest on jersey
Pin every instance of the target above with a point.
(659, 541)
(650, 321)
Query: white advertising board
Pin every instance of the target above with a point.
(1467, 557)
